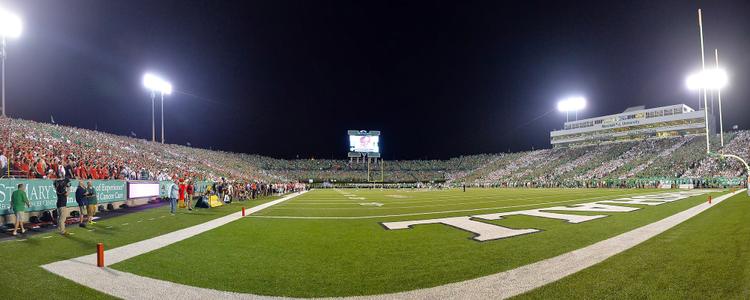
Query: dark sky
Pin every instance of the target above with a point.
(438, 78)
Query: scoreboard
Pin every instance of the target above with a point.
(364, 143)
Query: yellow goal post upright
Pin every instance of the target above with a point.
(382, 171)
(747, 167)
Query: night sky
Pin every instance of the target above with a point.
(438, 78)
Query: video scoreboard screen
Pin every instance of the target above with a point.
(364, 141)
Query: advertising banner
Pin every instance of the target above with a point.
(42, 195)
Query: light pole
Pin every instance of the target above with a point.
(703, 69)
(162, 117)
(573, 104)
(718, 93)
(10, 27)
(153, 117)
(156, 84)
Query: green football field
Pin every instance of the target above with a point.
(335, 243)
(326, 243)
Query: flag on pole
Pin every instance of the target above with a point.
(52, 119)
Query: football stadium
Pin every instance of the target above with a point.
(595, 198)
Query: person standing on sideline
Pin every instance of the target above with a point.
(182, 189)
(229, 192)
(19, 202)
(61, 188)
(190, 193)
(81, 200)
(91, 201)
(173, 194)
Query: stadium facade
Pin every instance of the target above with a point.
(635, 123)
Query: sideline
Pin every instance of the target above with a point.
(501, 285)
(128, 251)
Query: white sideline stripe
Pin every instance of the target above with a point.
(497, 286)
(128, 251)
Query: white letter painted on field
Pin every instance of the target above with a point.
(483, 231)
(575, 219)
(595, 207)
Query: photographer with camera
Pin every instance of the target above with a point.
(61, 188)
(82, 203)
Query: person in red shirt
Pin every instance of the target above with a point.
(80, 172)
(182, 189)
(94, 174)
(190, 192)
(25, 168)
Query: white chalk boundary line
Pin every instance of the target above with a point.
(77, 267)
(501, 285)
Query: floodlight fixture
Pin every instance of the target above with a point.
(711, 79)
(571, 104)
(10, 25)
(156, 84)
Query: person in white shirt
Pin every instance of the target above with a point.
(61, 171)
(3, 164)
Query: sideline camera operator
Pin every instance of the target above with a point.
(61, 188)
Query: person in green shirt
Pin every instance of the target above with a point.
(19, 202)
(91, 200)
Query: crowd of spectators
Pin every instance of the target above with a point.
(49, 151)
(738, 144)
(38, 150)
(631, 163)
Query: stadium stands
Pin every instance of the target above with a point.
(39, 150)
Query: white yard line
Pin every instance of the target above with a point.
(441, 212)
(502, 285)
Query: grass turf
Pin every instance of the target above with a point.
(707, 257)
(21, 276)
(341, 257)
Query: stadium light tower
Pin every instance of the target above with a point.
(10, 27)
(156, 84)
(573, 104)
(711, 79)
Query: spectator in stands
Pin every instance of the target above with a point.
(19, 202)
(3, 164)
(82, 204)
(91, 201)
